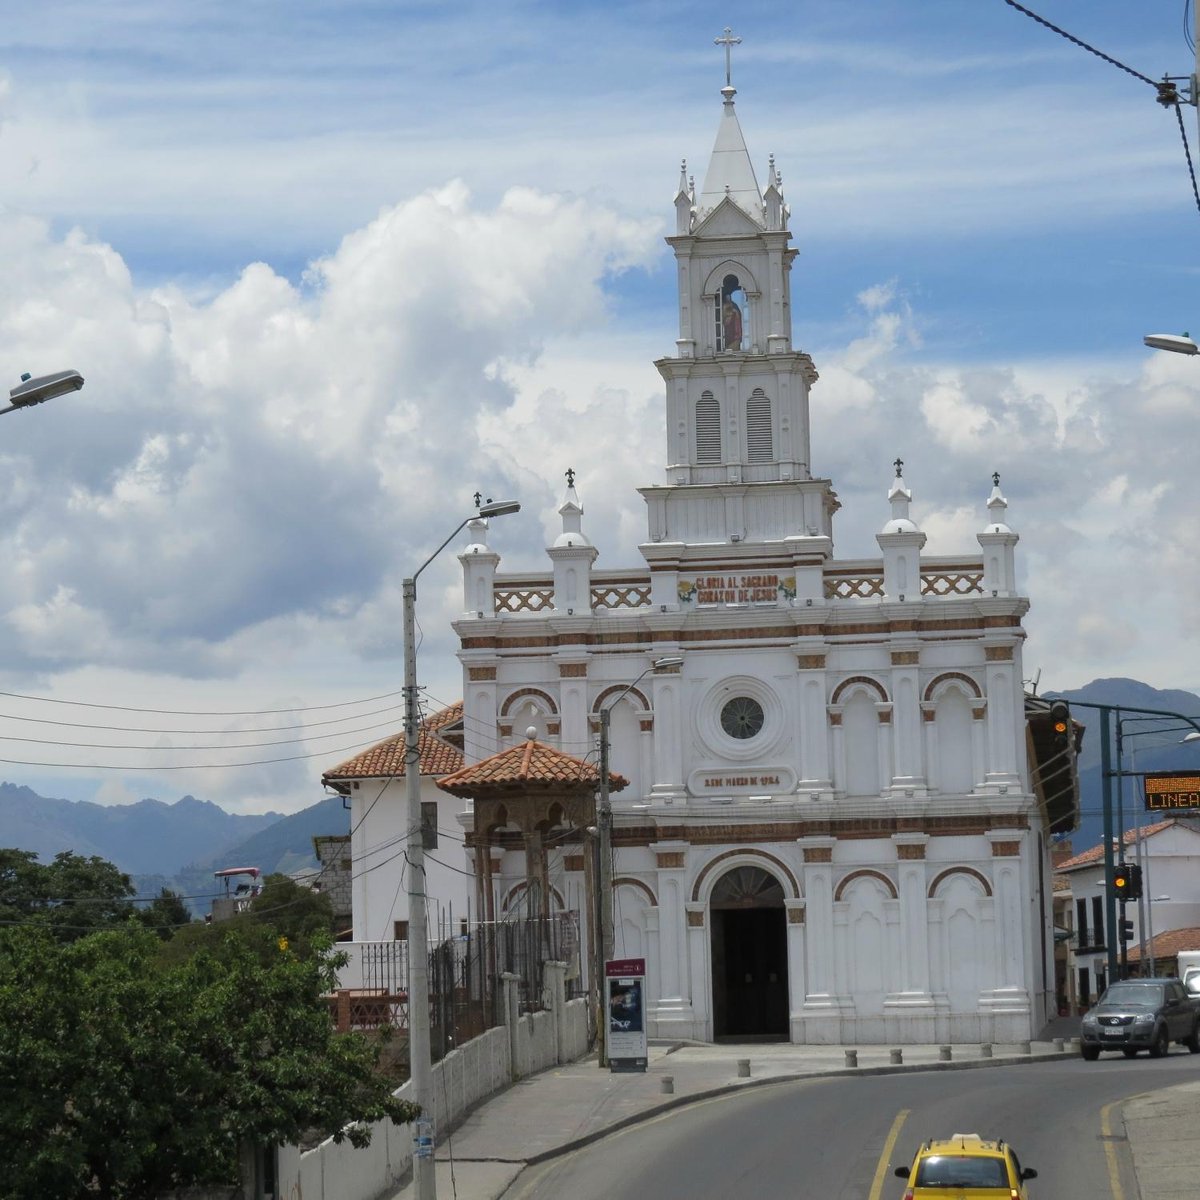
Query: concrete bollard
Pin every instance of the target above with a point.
(896, 1056)
(1060, 1043)
(985, 1050)
(743, 1068)
(1024, 1048)
(944, 1054)
(852, 1058)
(667, 1085)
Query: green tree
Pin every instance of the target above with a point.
(165, 914)
(72, 895)
(293, 911)
(141, 1073)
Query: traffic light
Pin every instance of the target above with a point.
(1135, 881)
(1127, 931)
(1060, 724)
(1121, 881)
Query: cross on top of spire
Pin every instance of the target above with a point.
(570, 477)
(899, 465)
(728, 41)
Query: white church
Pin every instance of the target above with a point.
(834, 829)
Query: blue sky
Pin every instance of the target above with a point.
(327, 268)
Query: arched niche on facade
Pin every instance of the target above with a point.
(732, 291)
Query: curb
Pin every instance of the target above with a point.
(675, 1102)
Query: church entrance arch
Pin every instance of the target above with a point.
(749, 956)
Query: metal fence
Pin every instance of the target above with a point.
(465, 973)
(465, 994)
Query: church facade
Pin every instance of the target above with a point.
(831, 832)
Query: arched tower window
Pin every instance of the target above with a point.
(732, 313)
(708, 429)
(759, 447)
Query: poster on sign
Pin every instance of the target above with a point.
(625, 1005)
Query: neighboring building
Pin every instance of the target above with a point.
(334, 876)
(1169, 855)
(375, 783)
(833, 832)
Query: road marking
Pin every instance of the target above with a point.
(886, 1154)
(1110, 1150)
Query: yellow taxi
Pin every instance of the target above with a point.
(966, 1167)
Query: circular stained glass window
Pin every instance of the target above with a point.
(742, 717)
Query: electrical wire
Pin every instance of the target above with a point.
(193, 712)
(211, 732)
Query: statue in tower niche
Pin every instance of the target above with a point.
(731, 314)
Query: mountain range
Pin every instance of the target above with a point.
(180, 845)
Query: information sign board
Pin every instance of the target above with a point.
(1172, 791)
(625, 1006)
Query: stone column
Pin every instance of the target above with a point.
(821, 1010)
(1002, 688)
(480, 723)
(908, 773)
(1009, 999)
(699, 969)
(913, 968)
(573, 703)
(815, 774)
(667, 692)
(674, 1009)
(796, 972)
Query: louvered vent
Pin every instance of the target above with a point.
(708, 429)
(759, 447)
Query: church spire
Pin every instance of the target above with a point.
(730, 171)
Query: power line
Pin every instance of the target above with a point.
(194, 712)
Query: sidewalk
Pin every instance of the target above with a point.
(569, 1106)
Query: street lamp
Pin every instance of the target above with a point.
(1176, 343)
(420, 1062)
(604, 901)
(31, 391)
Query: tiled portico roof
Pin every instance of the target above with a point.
(1089, 858)
(530, 766)
(385, 760)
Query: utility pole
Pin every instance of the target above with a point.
(604, 876)
(419, 1059)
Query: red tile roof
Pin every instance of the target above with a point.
(385, 760)
(1169, 944)
(532, 765)
(1089, 858)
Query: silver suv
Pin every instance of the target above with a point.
(1141, 1014)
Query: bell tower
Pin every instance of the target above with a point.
(738, 448)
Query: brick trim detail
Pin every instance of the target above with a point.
(637, 885)
(864, 873)
(910, 853)
(572, 670)
(940, 878)
(747, 852)
(520, 693)
(481, 674)
(572, 862)
(810, 662)
(998, 653)
(817, 854)
(695, 920)
(866, 681)
(670, 860)
(1006, 849)
(905, 658)
(956, 676)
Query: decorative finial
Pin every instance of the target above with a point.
(899, 465)
(995, 479)
(570, 477)
(728, 41)
(478, 498)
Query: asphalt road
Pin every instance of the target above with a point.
(838, 1138)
